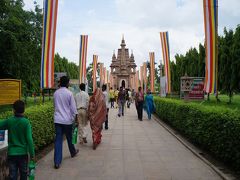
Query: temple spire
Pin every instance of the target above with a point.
(123, 44)
(114, 56)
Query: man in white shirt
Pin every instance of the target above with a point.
(65, 112)
(105, 93)
(82, 101)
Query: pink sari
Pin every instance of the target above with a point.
(97, 114)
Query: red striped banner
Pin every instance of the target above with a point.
(152, 71)
(166, 59)
(94, 76)
(137, 80)
(141, 75)
(83, 58)
(145, 76)
(108, 77)
(48, 43)
(104, 75)
(211, 20)
(101, 74)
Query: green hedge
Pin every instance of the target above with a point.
(41, 119)
(215, 129)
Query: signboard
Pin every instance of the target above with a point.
(192, 87)
(197, 89)
(10, 91)
(163, 86)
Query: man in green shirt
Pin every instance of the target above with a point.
(20, 141)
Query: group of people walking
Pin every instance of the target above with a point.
(69, 111)
(126, 97)
(78, 110)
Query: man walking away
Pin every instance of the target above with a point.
(82, 102)
(104, 90)
(139, 103)
(112, 97)
(121, 102)
(64, 113)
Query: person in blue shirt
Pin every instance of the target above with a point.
(149, 104)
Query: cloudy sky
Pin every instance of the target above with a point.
(105, 21)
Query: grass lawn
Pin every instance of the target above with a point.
(224, 99)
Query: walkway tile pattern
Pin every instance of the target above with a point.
(130, 150)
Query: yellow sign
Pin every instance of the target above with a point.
(10, 91)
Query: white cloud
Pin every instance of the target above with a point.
(91, 12)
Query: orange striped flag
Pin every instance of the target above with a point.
(101, 74)
(145, 76)
(94, 76)
(83, 58)
(137, 80)
(141, 75)
(152, 71)
(166, 58)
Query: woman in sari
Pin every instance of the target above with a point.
(97, 115)
(149, 105)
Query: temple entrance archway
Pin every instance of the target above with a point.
(123, 83)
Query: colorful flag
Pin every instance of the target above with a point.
(101, 74)
(104, 75)
(94, 76)
(83, 58)
(108, 78)
(141, 75)
(166, 59)
(111, 80)
(137, 80)
(48, 43)
(145, 76)
(152, 71)
(211, 21)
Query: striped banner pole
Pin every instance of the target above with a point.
(145, 76)
(104, 75)
(137, 80)
(94, 76)
(83, 58)
(48, 43)
(166, 58)
(101, 74)
(211, 36)
(111, 81)
(141, 76)
(152, 71)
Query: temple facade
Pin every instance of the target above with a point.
(123, 68)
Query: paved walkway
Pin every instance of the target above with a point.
(130, 150)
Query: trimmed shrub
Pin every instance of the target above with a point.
(41, 119)
(216, 129)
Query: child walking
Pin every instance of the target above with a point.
(20, 142)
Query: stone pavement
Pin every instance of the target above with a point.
(130, 150)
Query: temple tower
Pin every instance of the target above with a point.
(123, 68)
